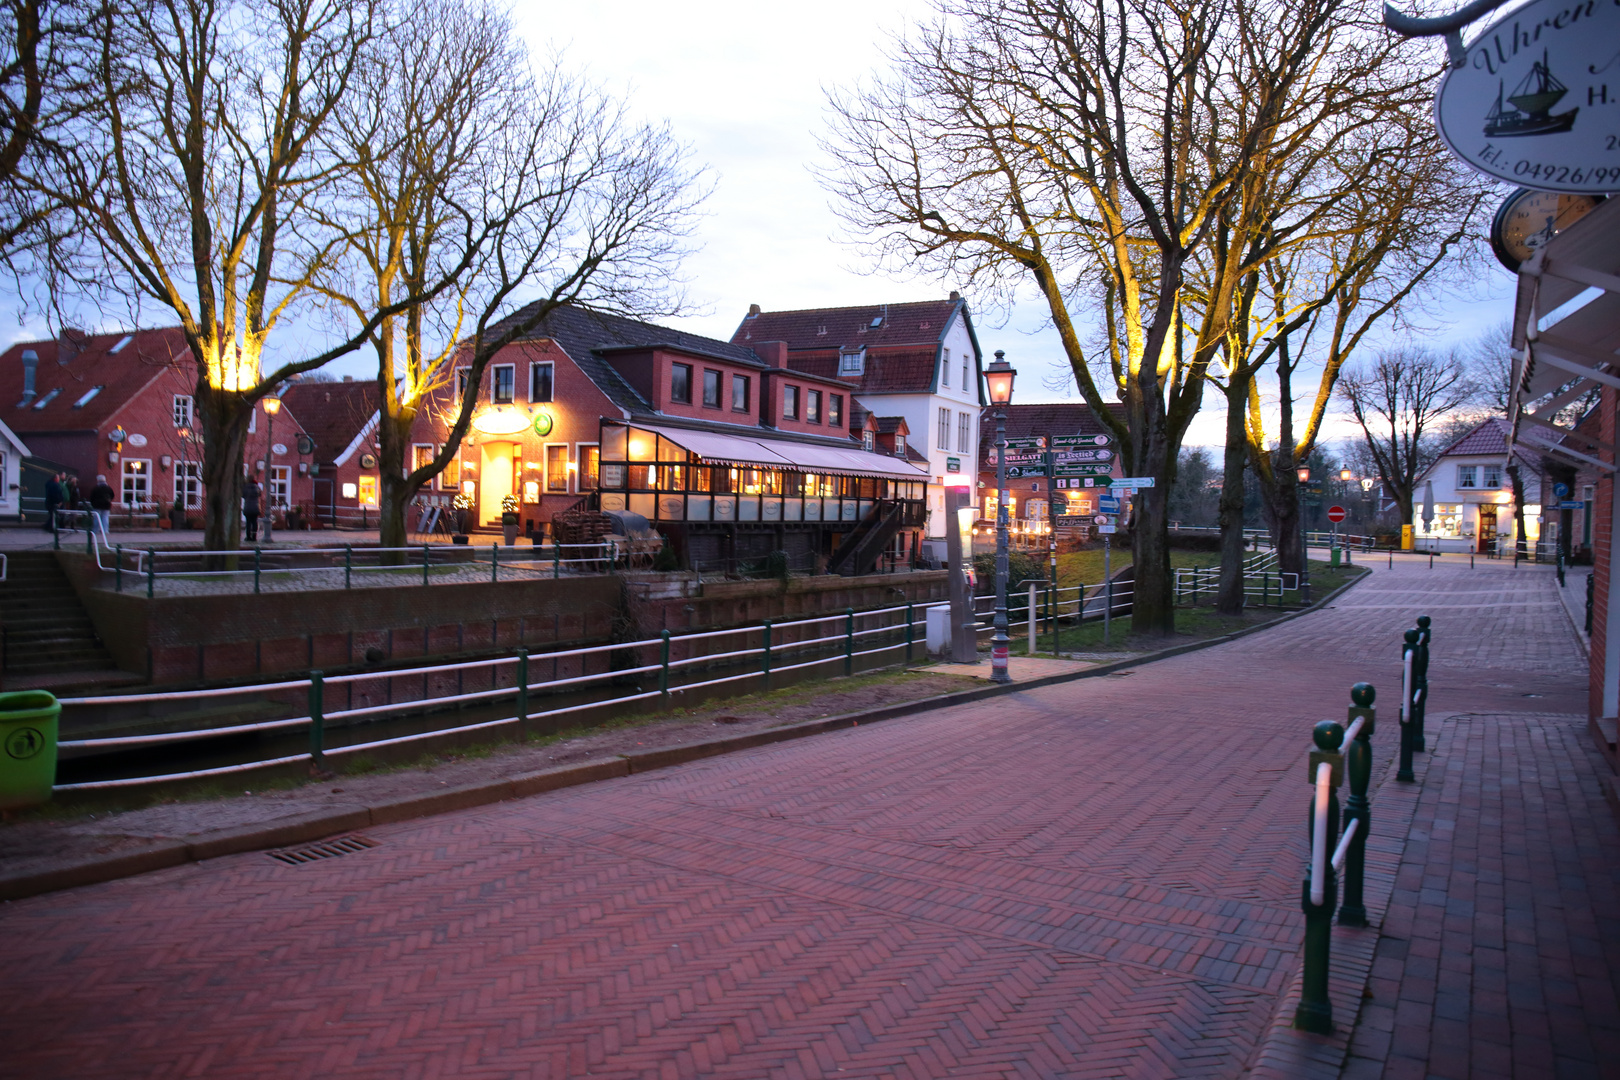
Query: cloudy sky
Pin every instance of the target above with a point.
(744, 85)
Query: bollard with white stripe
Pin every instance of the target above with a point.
(1319, 894)
(1357, 752)
(1408, 689)
(1420, 684)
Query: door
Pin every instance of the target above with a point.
(495, 477)
(1487, 529)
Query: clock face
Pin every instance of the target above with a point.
(1528, 219)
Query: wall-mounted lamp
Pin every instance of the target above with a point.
(112, 457)
(165, 461)
(258, 466)
(303, 468)
(117, 435)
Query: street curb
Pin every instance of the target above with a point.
(323, 823)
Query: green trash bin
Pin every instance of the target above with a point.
(27, 747)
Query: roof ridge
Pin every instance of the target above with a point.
(855, 307)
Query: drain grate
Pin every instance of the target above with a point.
(326, 849)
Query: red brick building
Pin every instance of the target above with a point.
(1032, 501)
(121, 405)
(339, 420)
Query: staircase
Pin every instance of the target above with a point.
(862, 548)
(48, 636)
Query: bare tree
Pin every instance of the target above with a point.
(1399, 401)
(458, 161)
(1109, 151)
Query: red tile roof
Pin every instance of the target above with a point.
(87, 361)
(894, 372)
(1489, 437)
(332, 413)
(921, 323)
(1057, 418)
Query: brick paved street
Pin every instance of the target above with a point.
(1098, 878)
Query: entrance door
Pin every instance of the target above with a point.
(1487, 529)
(495, 479)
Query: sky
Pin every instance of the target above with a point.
(745, 86)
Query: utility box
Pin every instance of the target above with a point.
(939, 629)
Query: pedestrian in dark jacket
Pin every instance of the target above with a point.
(101, 500)
(53, 499)
(72, 492)
(250, 506)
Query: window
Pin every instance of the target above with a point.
(540, 382)
(869, 441)
(421, 456)
(965, 385)
(1467, 476)
(943, 438)
(1035, 509)
(680, 383)
(253, 422)
(88, 395)
(188, 484)
(1448, 521)
(137, 484)
(945, 370)
(790, 402)
(711, 388)
(835, 410)
(450, 478)
(962, 424)
(613, 475)
(182, 410)
(503, 388)
(739, 393)
(852, 361)
(280, 487)
(590, 467)
(812, 407)
(1493, 476)
(556, 467)
(461, 381)
(368, 491)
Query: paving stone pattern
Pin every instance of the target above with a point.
(1094, 879)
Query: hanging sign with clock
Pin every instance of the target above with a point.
(1528, 219)
(1535, 98)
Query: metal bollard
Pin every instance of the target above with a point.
(494, 562)
(523, 689)
(765, 653)
(911, 631)
(1420, 682)
(425, 558)
(663, 666)
(151, 571)
(1358, 768)
(1392, 558)
(257, 568)
(348, 564)
(849, 642)
(1319, 891)
(317, 718)
(118, 571)
(1408, 659)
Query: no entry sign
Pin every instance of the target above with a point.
(1335, 514)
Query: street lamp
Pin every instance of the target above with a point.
(999, 378)
(1304, 472)
(272, 405)
(1347, 475)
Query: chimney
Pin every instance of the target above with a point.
(753, 311)
(30, 362)
(955, 295)
(348, 378)
(774, 353)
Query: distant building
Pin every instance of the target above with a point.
(1473, 493)
(917, 361)
(340, 422)
(1033, 503)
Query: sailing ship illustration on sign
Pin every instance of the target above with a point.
(1531, 105)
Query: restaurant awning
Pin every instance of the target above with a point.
(763, 451)
(1566, 335)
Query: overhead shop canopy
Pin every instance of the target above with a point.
(1566, 335)
(762, 451)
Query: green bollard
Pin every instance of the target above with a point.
(1408, 689)
(257, 568)
(317, 719)
(425, 557)
(765, 657)
(151, 571)
(556, 561)
(849, 642)
(1315, 1010)
(911, 631)
(348, 564)
(1358, 768)
(494, 562)
(1420, 680)
(523, 691)
(118, 571)
(663, 666)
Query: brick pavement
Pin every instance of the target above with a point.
(1094, 879)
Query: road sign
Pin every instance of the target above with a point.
(1098, 469)
(1034, 443)
(1336, 514)
(1015, 472)
(1082, 440)
(1108, 530)
(1561, 490)
(1108, 506)
(1133, 481)
(1101, 519)
(1571, 504)
(1085, 454)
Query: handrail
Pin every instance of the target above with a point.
(1343, 849)
(1319, 830)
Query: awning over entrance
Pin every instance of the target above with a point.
(1566, 335)
(762, 451)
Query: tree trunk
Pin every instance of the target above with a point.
(223, 418)
(1287, 522)
(1229, 599)
(1521, 546)
(395, 490)
(1153, 609)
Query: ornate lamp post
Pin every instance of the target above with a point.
(272, 405)
(999, 378)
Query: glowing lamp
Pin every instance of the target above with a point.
(500, 422)
(272, 405)
(999, 378)
(1304, 474)
(1347, 474)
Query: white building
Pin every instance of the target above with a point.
(918, 361)
(12, 452)
(1473, 494)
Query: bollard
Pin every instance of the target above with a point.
(90, 546)
(1470, 560)
(151, 571)
(765, 656)
(1431, 560)
(1404, 772)
(1420, 685)
(1265, 589)
(1392, 558)
(663, 665)
(911, 630)
(317, 719)
(1358, 768)
(118, 571)
(556, 561)
(849, 642)
(1348, 561)
(494, 562)
(523, 688)
(257, 567)
(424, 564)
(348, 564)
(1032, 624)
(1319, 892)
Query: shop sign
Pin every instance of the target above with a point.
(1537, 100)
(1060, 441)
(953, 464)
(542, 424)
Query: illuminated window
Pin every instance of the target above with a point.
(556, 467)
(450, 478)
(421, 456)
(137, 486)
(590, 467)
(368, 491)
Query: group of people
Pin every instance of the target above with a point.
(62, 493)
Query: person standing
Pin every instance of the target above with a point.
(53, 499)
(250, 506)
(101, 500)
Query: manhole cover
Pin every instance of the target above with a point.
(326, 849)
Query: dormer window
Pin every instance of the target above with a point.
(852, 361)
(88, 395)
(877, 322)
(869, 441)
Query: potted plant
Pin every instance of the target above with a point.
(509, 519)
(462, 504)
(177, 515)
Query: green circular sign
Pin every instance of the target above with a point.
(542, 424)
(24, 743)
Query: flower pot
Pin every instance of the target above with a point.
(458, 538)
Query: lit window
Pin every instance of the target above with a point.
(88, 395)
(421, 456)
(557, 468)
(590, 467)
(540, 382)
(503, 387)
